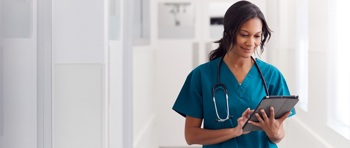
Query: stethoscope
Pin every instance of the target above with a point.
(223, 87)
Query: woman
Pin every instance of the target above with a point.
(232, 65)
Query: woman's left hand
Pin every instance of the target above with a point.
(273, 127)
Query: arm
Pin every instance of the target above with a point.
(194, 134)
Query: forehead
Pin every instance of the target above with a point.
(253, 25)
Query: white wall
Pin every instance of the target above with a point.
(1, 79)
(120, 77)
(25, 74)
(145, 115)
(308, 128)
(19, 94)
(78, 105)
(79, 43)
(1, 89)
(144, 107)
(281, 49)
(19, 75)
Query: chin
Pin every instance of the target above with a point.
(247, 55)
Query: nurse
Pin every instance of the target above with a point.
(232, 65)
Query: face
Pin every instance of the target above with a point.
(248, 38)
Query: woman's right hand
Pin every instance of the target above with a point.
(241, 121)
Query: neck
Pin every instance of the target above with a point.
(237, 62)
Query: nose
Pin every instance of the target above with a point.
(250, 41)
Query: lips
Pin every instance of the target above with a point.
(247, 49)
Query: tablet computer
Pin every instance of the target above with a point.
(281, 105)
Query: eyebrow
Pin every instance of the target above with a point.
(249, 32)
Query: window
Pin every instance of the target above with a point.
(16, 19)
(114, 19)
(339, 117)
(302, 44)
(141, 21)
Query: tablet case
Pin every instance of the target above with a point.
(281, 104)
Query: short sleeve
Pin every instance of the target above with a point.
(281, 88)
(189, 101)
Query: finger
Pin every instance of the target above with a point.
(272, 113)
(246, 113)
(259, 118)
(247, 116)
(284, 117)
(251, 111)
(240, 120)
(254, 123)
(263, 114)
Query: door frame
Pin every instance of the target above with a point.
(44, 73)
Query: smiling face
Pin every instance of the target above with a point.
(248, 38)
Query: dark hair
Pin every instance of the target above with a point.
(234, 18)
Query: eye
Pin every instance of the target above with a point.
(257, 35)
(244, 35)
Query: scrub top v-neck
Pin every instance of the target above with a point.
(195, 99)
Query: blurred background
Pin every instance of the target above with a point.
(105, 73)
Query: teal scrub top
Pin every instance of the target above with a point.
(195, 99)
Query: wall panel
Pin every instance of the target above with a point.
(78, 105)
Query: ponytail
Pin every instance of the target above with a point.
(219, 52)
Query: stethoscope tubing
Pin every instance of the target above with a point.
(219, 85)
